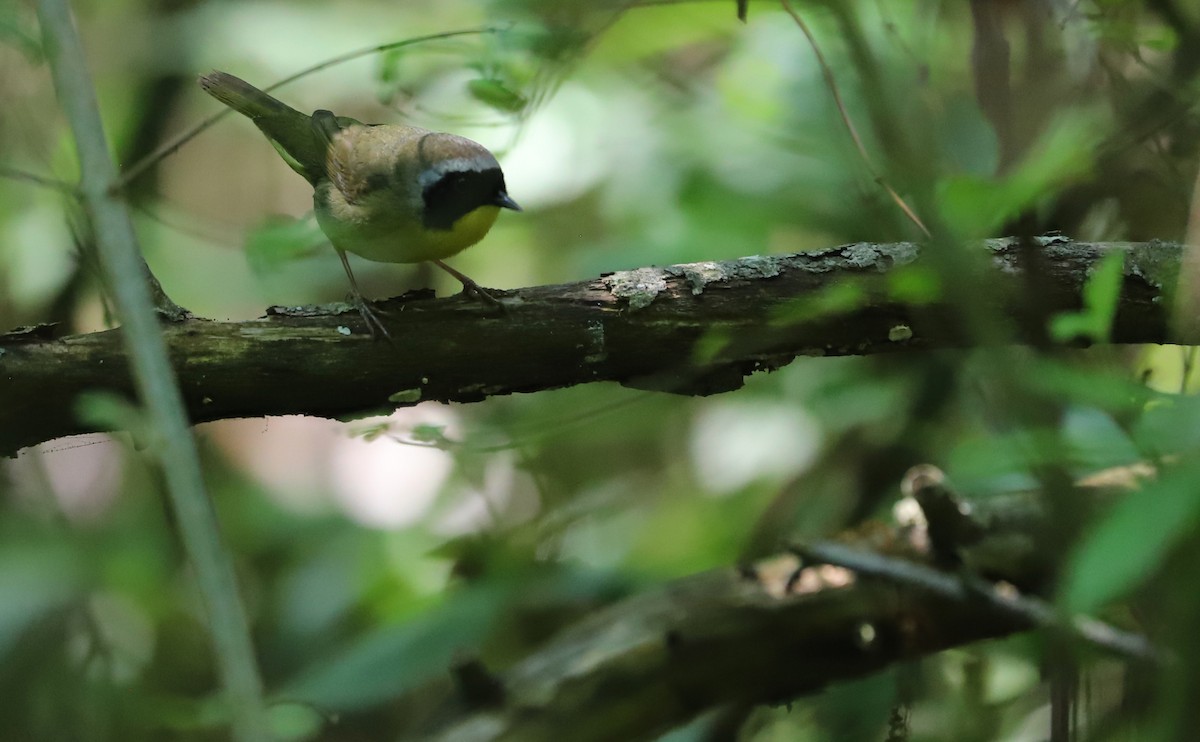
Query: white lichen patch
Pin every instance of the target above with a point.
(755, 266)
(699, 275)
(879, 256)
(639, 287)
(861, 255)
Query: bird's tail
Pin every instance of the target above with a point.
(243, 97)
(289, 130)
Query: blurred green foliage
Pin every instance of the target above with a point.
(632, 136)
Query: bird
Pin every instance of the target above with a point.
(386, 192)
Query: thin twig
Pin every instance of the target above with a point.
(831, 83)
(1187, 306)
(961, 587)
(990, 67)
(170, 147)
(547, 429)
(174, 444)
(13, 173)
(1189, 364)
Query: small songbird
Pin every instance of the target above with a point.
(385, 192)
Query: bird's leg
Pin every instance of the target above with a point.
(369, 316)
(469, 286)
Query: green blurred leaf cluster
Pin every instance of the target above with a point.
(375, 556)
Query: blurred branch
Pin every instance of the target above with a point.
(167, 149)
(13, 173)
(990, 64)
(763, 634)
(693, 329)
(140, 337)
(1187, 306)
(966, 587)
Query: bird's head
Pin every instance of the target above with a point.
(458, 176)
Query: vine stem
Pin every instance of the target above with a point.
(174, 445)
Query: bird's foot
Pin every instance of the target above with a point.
(371, 319)
(476, 291)
(470, 288)
(369, 315)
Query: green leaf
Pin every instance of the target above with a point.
(914, 284)
(1168, 427)
(1100, 297)
(281, 240)
(393, 659)
(294, 721)
(656, 30)
(1110, 390)
(35, 580)
(1129, 543)
(497, 95)
(109, 411)
(19, 32)
(1095, 441)
(838, 299)
(975, 207)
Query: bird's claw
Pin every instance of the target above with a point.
(476, 291)
(371, 319)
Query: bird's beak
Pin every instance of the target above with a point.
(504, 201)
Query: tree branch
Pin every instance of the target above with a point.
(766, 634)
(691, 329)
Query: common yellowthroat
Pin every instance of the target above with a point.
(385, 192)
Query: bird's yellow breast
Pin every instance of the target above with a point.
(468, 230)
(393, 232)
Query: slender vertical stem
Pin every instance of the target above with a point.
(1187, 306)
(176, 450)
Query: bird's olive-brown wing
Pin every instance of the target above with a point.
(366, 159)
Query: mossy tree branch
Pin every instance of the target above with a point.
(691, 329)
